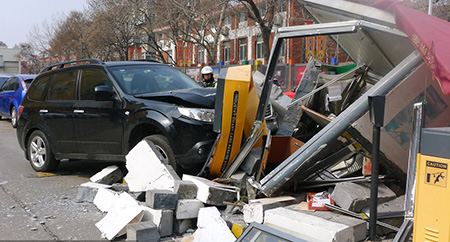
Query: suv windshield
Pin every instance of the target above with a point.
(141, 79)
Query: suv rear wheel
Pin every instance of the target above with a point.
(13, 117)
(39, 153)
(162, 145)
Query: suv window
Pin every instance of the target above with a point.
(89, 80)
(63, 86)
(141, 79)
(39, 84)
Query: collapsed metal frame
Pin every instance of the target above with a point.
(293, 165)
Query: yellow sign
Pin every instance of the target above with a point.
(436, 173)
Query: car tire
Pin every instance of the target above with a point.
(14, 117)
(39, 153)
(162, 145)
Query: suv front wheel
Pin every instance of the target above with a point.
(39, 153)
(162, 145)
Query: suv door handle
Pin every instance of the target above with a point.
(78, 111)
(43, 111)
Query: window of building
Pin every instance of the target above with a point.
(200, 55)
(263, 9)
(283, 51)
(227, 20)
(242, 17)
(243, 49)
(259, 47)
(281, 6)
(226, 51)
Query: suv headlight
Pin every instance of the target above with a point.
(206, 115)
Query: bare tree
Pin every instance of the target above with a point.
(32, 63)
(263, 13)
(69, 37)
(113, 27)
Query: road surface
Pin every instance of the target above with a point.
(36, 206)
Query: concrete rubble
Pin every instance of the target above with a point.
(198, 209)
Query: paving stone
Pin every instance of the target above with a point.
(188, 208)
(186, 189)
(108, 175)
(306, 225)
(359, 226)
(254, 210)
(355, 196)
(212, 193)
(162, 218)
(143, 232)
(161, 199)
(181, 226)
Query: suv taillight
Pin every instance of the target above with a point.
(20, 111)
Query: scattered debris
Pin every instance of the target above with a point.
(146, 171)
(211, 227)
(254, 210)
(108, 175)
(142, 231)
(123, 211)
(87, 191)
(213, 193)
(161, 199)
(355, 196)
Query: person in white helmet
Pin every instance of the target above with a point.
(208, 77)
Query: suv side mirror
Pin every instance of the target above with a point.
(104, 93)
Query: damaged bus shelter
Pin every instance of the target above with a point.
(370, 38)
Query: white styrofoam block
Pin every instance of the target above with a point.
(309, 225)
(211, 227)
(146, 171)
(94, 185)
(123, 210)
(104, 199)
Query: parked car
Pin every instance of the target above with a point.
(12, 92)
(97, 110)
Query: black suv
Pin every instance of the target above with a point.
(89, 109)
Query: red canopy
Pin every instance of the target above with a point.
(430, 35)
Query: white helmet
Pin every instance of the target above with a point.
(207, 70)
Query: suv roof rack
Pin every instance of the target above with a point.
(71, 63)
(148, 60)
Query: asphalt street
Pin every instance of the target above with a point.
(43, 206)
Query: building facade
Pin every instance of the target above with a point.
(9, 60)
(241, 41)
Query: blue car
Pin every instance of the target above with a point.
(11, 95)
(4, 77)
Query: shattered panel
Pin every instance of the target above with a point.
(395, 136)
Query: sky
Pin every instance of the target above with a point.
(17, 17)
